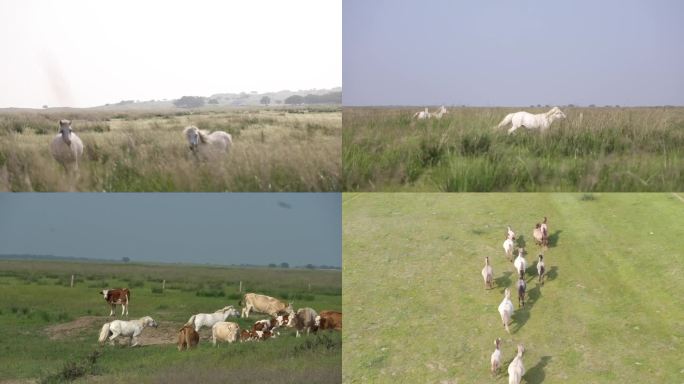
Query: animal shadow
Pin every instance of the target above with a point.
(519, 242)
(503, 281)
(553, 238)
(520, 316)
(536, 374)
(552, 273)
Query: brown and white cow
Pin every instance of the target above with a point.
(329, 320)
(303, 319)
(187, 338)
(263, 304)
(117, 296)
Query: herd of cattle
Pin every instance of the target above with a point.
(516, 368)
(281, 315)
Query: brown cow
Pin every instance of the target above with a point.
(187, 338)
(117, 296)
(329, 320)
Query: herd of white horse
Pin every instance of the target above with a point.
(540, 121)
(67, 148)
(540, 233)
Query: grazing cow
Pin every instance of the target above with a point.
(522, 288)
(225, 331)
(117, 296)
(541, 269)
(282, 320)
(266, 325)
(245, 335)
(131, 329)
(303, 319)
(187, 338)
(263, 304)
(329, 320)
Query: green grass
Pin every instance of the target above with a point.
(594, 149)
(35, 296)
(144, 151)
(417, 311)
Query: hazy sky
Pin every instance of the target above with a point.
(88, 53)
(225, 228)
(502, 52)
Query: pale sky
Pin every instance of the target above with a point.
(216, 228)
(83, 53)
(513, 53)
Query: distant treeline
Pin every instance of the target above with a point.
(127, 260)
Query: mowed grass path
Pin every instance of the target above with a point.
(35, 296)
(416, 308)
(594, 149)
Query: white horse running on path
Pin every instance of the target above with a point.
(540, 121)
(207, 144)
(66, 147)
(130, 329)
(209, 319)
(422, 114)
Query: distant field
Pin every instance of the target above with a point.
(417, 311)
(51, 325)
(594, 149)
(279, 149)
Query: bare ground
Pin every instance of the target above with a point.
(165, 333)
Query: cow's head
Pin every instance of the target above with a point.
(104, 293)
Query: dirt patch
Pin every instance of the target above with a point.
(165, 333)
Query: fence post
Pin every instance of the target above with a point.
(163, 285)
(72, 281)
(240, 286)
(309, 287)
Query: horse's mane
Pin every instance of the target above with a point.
(201, 132)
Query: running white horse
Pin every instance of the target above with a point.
(130, 329)
(540, 121)
(422, 114)
(440, 112)
(66, 147)
(209, 319)
(207, 144)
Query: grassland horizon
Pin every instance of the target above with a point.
(608, 149)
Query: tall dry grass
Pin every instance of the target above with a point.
(274, 150)
(594, 149)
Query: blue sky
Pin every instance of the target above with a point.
(229, 228)
(513, 53)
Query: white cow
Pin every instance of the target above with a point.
(225, 331)
(263, 304)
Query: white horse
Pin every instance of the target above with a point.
(207, 144)
(506, 309)
(422, 114)
(209, 319)
(130, 329)
(440, 112)
(66, 147)
(540, 121)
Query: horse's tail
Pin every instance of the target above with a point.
(505, 121)
(104, 333)
(191, 321)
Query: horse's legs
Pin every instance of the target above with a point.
(133, 341)
(513, 128)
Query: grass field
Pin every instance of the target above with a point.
(417, 311)
(51, 329)
(296, 149)
(594, 149)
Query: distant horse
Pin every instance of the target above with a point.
(130, 329)
(540, 121)
(440, 112)
(66, 147)
(204, 144)
(209, 319)
(422, 114)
